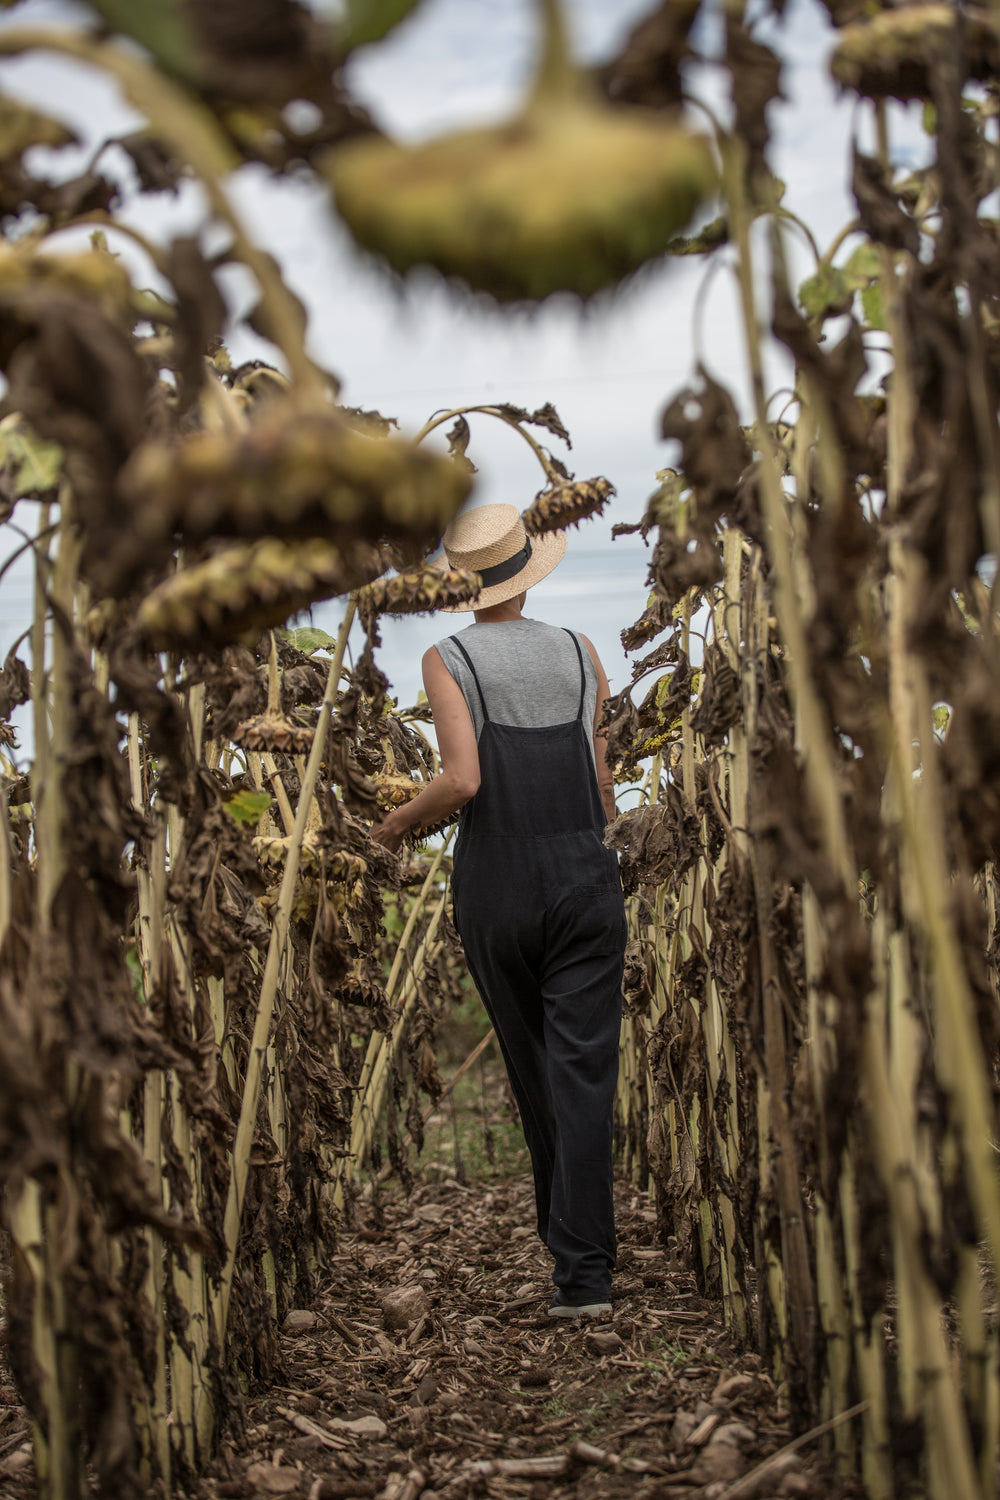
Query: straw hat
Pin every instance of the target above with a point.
(491, 541)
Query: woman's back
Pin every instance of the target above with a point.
(529, 672)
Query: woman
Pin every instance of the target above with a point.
(538, 901)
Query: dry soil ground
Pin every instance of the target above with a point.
(428, 1366)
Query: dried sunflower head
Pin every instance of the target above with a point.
(395, 790)
(892, 55)
(271, 730)
(418, 592)
(570, 198)
(569, 195)
(566, 503)
(245, 589)
(293, 472)
(274, 851)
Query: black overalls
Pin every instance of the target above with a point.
(539, 907)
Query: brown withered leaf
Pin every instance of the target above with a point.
(15, 684)
(86, 193)
(732, 910)
(358, 791)
(970, 757)
(654, 619)
(647, 69)
(836, 373)
(684, 561)
(262, 50)
(199, 319)
(880, 209)
(99, 817)
(358, 989)
(74, 374)
(658, 844)
(234, 688)
(158, 170)
(715, 449)
(638, 983)
(543, 416)
(251, 52)
(668, 696)
(620, 719)
(21, 128)
(458, 441)
(756, 74)
(663, 656)
(718, 706)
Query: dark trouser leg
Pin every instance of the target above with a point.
(551, 983)
(510, 993)
(581, 986)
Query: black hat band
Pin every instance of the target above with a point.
(509, 569)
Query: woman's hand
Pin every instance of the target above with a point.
(388, 833)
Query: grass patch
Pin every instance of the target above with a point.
(474, 1133)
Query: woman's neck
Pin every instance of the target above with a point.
(510, 609)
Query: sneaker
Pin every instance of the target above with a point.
(563, 1306)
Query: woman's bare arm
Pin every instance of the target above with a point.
(458, 779)
(605, 776)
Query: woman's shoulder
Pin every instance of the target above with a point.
(487, 633)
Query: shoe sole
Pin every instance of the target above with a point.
(588, 1310)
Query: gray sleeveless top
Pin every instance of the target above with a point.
(530, 673)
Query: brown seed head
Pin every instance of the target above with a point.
(566, 504)
(418, 592)
(569, 196)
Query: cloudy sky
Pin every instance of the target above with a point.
(408, 352)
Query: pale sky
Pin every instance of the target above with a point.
(609, 369)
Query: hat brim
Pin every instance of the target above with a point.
(546, 553)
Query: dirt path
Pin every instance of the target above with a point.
(477, 1391)
(469, 1388)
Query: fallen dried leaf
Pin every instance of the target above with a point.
(704, 1430)
(273, 1480)
(310, 1428)
(366, 1427)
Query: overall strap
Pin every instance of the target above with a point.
(583, 674)
(475, 676)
